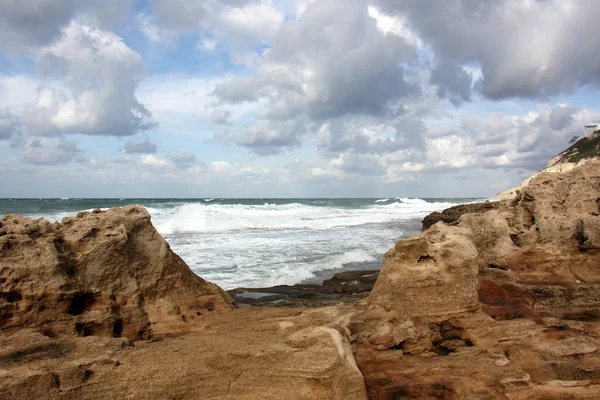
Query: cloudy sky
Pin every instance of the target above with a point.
(290, 98)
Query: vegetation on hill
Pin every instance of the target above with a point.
(586, 147)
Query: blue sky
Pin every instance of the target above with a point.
(293, 98)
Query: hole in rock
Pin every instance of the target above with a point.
(48, 332)
(143, 334)
(399, 346)
(92, 233)
(118, 328)
(496, 266)
(425, 258)
(83, 329)
(80, 302)
(12, 297)
(441, 351)
(87, 375)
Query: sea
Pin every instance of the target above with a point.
(265, 242)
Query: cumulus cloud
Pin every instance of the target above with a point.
(491, 142)
(357, 135)
(143, 147)
(220, 117)
(244, 28)
(499, 140)
(155, 164)
(100, 75)
(523, 48)
(10, 124)
(180, 16)
(27, 25)
(270, 137)
(239, 25)
(331, 61)
(183, 159)
(46, 151)
(363, 164)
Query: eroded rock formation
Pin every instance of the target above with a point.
(105, 273)
(505, 303)
(99, 307)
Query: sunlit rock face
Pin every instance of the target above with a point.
(101, 273)
(496, 301)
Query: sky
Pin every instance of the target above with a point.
(290, 98)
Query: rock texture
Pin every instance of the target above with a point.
(451, 215)
(503, 304)
(99, 307)
(346, 286)
(248, 353)
(105, 273)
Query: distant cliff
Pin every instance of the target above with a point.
(585, 149)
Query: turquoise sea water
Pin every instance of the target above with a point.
(264, 242)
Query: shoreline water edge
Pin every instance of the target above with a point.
(266, 242)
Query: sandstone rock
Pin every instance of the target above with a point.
(242, 354)
(67, 288)
(105, 273)
(432, 275)
(532, 264)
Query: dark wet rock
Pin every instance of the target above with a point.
(344, 286)
(451, 215)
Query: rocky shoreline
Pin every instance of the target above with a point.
(342, 287)
(492, 301)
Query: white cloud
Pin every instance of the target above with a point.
(330, 63)
(524, 48)
(10, 124)
(220, 117)
(46, 151)
(100, 75)
(154, 162)
(143, 147)
(16, 91)
(207, 45)
(27, 25)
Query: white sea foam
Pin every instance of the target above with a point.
(257, 245)
(197, 217)
(406, 200)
